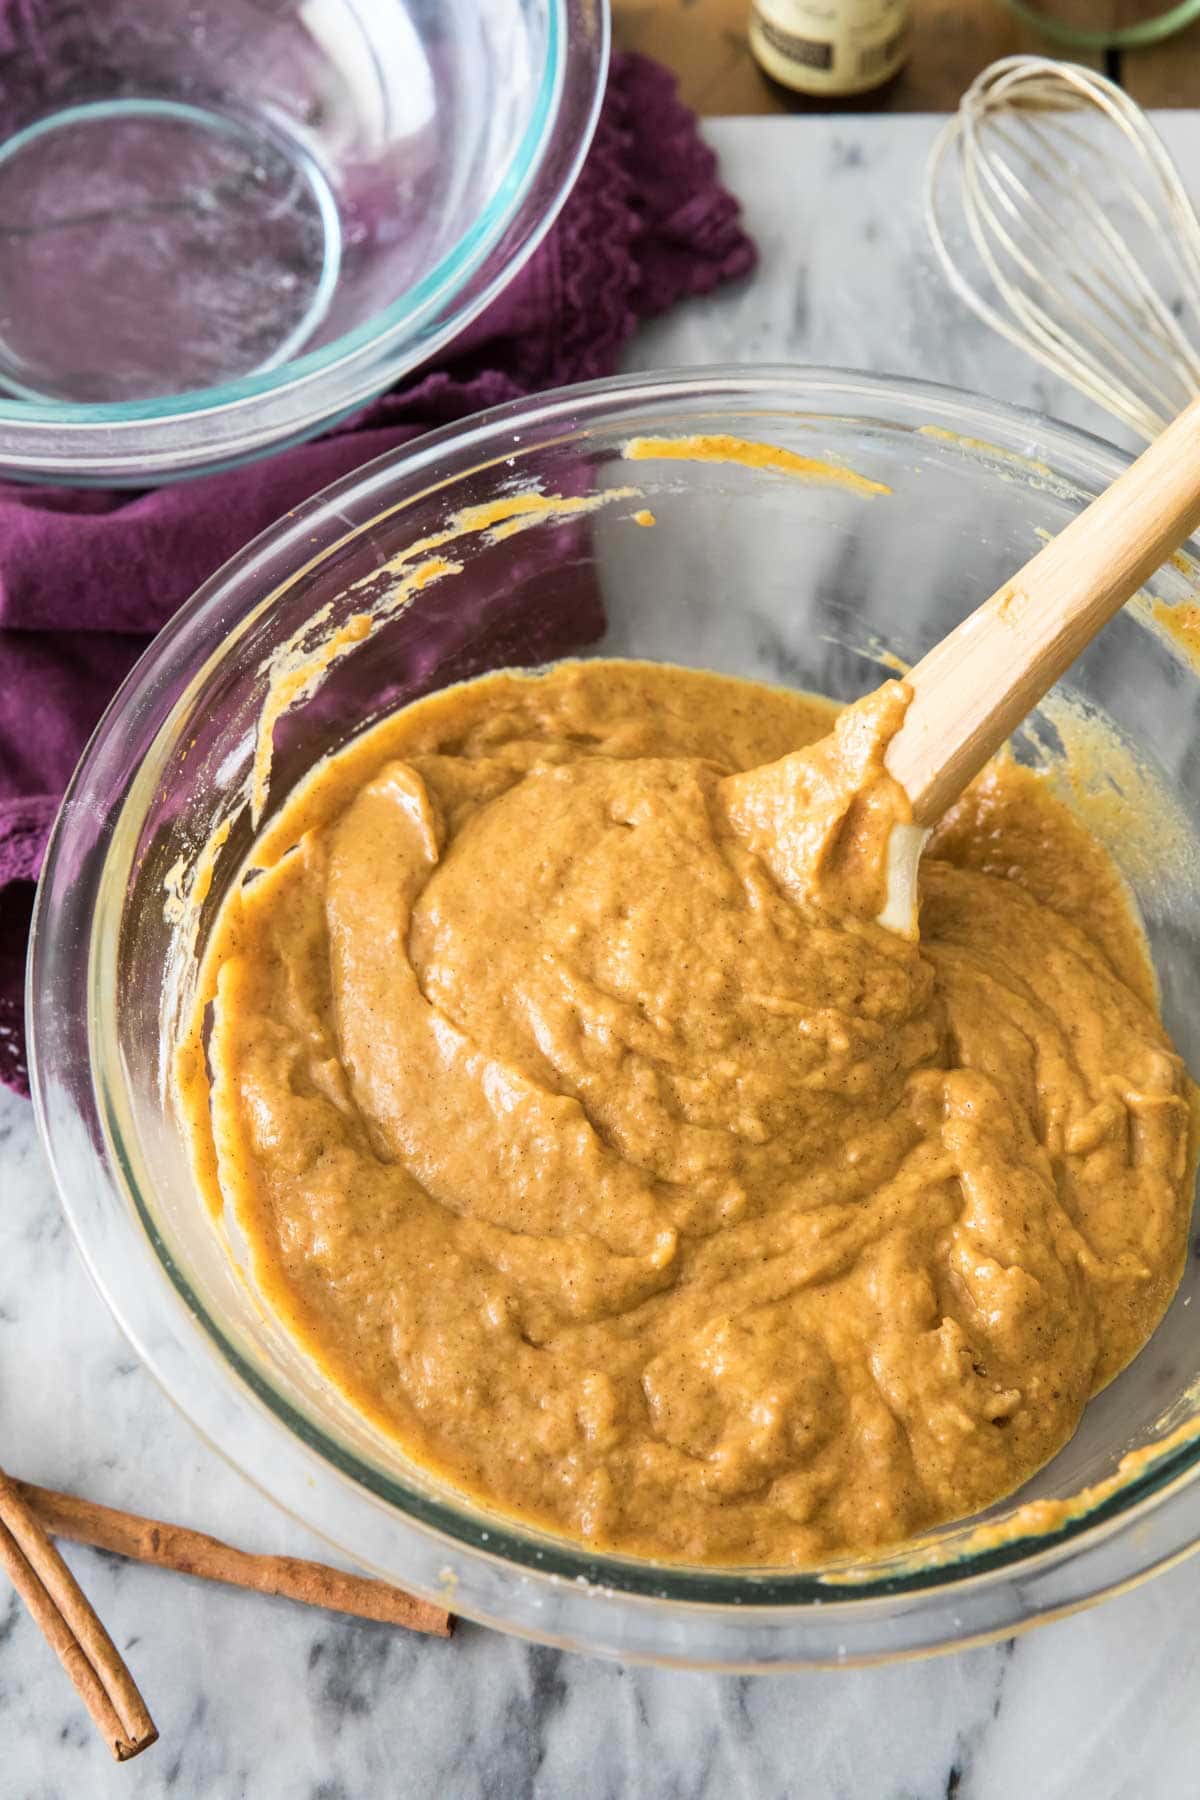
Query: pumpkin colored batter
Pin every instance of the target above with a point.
(591, 1135)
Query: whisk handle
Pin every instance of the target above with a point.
(974, 688)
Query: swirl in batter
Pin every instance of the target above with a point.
(598, 1144)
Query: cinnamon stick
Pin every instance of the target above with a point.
(195, 1553)
(70, 1626)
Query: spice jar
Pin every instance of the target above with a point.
(830, 47)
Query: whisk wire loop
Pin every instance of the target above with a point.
(1075, 239)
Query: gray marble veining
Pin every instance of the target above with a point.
(846, 275)
(261, 1700)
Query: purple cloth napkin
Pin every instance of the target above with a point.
(87, 578)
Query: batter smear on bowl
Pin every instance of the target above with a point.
(598, 1143)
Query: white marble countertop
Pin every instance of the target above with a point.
(269, 1701)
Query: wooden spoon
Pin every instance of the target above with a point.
(974, 688)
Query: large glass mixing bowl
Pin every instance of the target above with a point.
(748, 569)
(224, 224)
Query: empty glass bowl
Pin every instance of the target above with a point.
(226, 223)
(746, 570)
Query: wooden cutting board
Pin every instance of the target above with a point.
(704, 41)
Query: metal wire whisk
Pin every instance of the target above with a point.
(1075, 238)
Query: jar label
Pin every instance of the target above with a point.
(830, 46)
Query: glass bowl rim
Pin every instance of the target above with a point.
(497, 436)
(375, 338)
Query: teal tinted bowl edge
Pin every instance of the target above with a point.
(453, 270)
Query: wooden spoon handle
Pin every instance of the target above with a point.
(974, 688)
